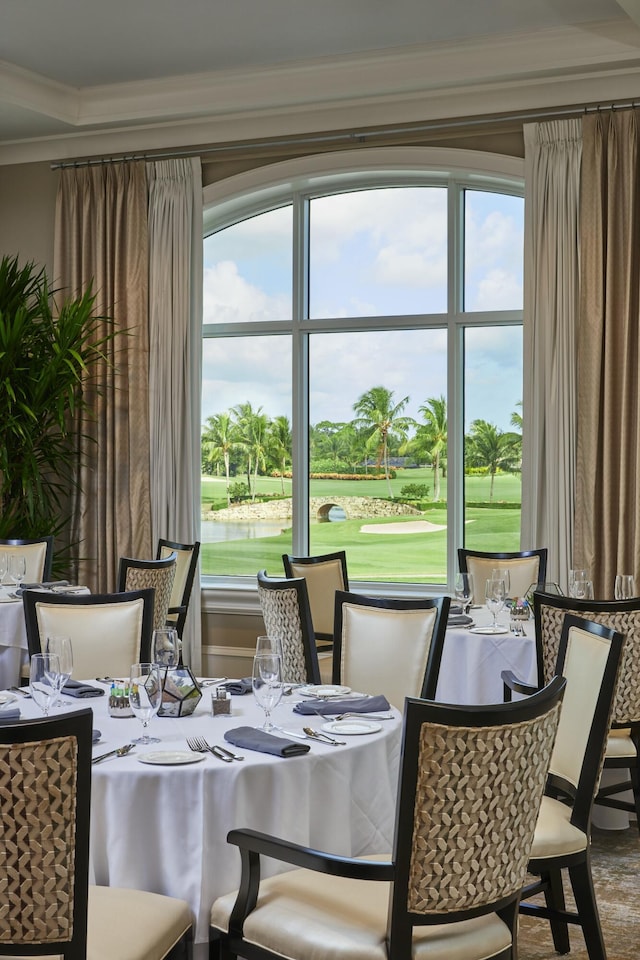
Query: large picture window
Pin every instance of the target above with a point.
(362, 375)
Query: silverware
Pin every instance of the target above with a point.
(21, 690)
(359, 716)
(290, 733)
(200, 745)
(324, 737)
(210, 681)
(119, 752)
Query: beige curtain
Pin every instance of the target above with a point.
(175, 332)
(101, 241)
(551, 299)
(607, 529)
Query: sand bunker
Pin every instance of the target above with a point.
(408, 526)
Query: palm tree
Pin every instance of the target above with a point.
(516, 418)
(384, 421)
(252, 428)
(219, 440)
(432, 437)
(280, 444)
(489, 447)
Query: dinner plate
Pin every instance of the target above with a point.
(352, 726)
(6, 599)
(171, 757)
(7, 698)
(324, 690)
(489, 631)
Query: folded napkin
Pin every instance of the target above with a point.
(239, 686)
(455, 608)
(95, 736)
(334, 706)
(8, 716)
(75, 688)
(248, 738)
(459, 620)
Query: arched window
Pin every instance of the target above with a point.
(362, 363)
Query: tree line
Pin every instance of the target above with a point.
(246, 441)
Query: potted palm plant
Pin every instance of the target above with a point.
(49, 347)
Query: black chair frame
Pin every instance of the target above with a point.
(298, 584)
(288, 560)
(182, 609)
(541, 554)
(48, 559)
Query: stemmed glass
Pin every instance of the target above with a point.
(44, 678)
(502, 573)
(495, 595)
(145, 696)
(166, 647)
(268, 645)
(3, 568)
(582, 590)
(576, 575)
(18, 568)
(267, 684)
(625, 586)
(61, 647)
(464, 590)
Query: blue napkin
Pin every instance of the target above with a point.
(10, 715)
(95, 736)
(249, 738)
(245, 685)
(334, 706)
(74, 688)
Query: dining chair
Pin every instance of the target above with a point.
(526, 567)
(589, 656)
(159, 575)
(324, 574)
(38, 553)
(49, 907)
(108, 632)
(623, 742)
(471, 782)
(186, 564)
(389, 646)
(285, 611)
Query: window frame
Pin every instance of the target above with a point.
(300, 181)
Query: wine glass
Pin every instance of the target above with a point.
(145, 696)
(166, 647)
(267, 684)
(18, 568)
(625, 586)
(44, 678)
(495, 594)
(502, 573)
(576, 574)
(3, 567)
(463, 587)
(583, 589)
(268, 645)
(61, 646)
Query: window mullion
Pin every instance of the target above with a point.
(300, 377)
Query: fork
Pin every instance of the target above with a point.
(359, 716)
(200, 745)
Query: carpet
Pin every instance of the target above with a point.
(615, 863)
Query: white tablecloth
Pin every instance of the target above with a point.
(164, 828)
(13, 642)
(472, 662)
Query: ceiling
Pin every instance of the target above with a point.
(73, 71)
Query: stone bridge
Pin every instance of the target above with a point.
(355, 508)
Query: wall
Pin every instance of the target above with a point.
(27, 212)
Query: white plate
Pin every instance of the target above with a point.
(352, 727)
(171, 757)
(7, 698)
(489, 631)
(324, 690)
(5, 599)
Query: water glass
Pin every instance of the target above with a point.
(17, 567)
(267, 684)
(268, 645)
(166, 647)
(495, 594)
(61, 647)
(576, 574)
(625, 586)
(3, 567)
(145, 696)
(44, 680)
(582, 590)
(463, 587)
(502, 573)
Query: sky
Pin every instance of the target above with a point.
(372, 253)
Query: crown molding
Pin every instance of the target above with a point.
(522, 72)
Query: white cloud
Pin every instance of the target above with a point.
(229, 298)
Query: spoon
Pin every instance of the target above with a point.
(315, 735)
(120, 752)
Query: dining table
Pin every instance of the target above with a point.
(162, 825)
(13, 639)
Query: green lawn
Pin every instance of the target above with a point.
(412, 557)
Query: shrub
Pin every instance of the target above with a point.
(415, 491)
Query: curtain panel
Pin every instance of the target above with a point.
(175, 336)
(551, 301)
(101, 242)
(607, 529)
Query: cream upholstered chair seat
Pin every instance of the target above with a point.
(336, 917)
(471, 782)
(108, 632)
(392, 647)
(620, 745)
(555, 834)
(146, 925)
(525, 568)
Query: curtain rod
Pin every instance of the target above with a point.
(359, 136)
